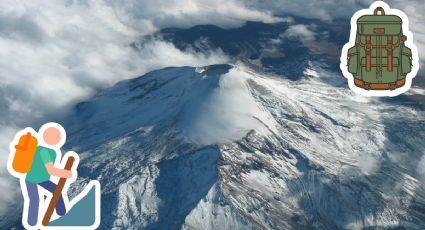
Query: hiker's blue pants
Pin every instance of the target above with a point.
(34, 200)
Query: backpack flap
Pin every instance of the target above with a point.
(379, 24)
(23, 142)
(389, 26)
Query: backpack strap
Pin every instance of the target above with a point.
(390, 53)
(368, 50)
(379, 9)
(395, 45)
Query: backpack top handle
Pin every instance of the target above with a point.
(379, 9)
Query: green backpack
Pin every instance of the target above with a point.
(379, 60)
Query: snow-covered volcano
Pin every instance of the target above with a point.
(222, 147)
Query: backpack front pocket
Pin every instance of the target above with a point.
(379, 72)
(353, 61)
(406, 60)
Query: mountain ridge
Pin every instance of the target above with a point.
(271, 175)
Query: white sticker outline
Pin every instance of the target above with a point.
(409, 43)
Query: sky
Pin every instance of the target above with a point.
(54, 54)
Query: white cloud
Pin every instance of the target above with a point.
(300, 31)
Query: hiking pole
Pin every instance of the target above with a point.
(57, 193)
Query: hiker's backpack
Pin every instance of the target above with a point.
(24, 153)
(379, 60)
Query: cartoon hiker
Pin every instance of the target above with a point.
(45, 176)
(42, 169)
(35, 155)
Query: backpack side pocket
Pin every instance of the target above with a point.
(353, 61)
(406, 60)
